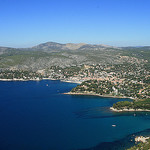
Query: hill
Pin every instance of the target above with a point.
(65, 55)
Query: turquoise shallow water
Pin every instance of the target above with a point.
(35, 115)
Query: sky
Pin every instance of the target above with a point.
(26, 23)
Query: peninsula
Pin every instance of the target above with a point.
(101, 70)
(141, 102)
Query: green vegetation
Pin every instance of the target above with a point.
(94, 86)
(125, 89)
(141, 104)
(55, 54)
(19, 74)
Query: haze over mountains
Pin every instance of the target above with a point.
(69, 46)
(53, 46)
(51, 54)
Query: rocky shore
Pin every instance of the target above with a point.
(26, 79)
(141, 139)
(95, 94)
(127, 110)
(69, 81)
(19, 79)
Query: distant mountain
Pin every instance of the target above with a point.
(137, 47)
(49, 54)
(49, 46)
(4, 49)
(52, 46)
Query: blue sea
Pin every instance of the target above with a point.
(35, 115)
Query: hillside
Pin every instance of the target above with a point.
(50, 54)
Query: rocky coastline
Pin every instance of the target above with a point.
(69, 81)
(95, 94)
(128, 110)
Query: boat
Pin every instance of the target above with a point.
(113, 125)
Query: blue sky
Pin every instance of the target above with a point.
(25, 23)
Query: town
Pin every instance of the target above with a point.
(125, 80)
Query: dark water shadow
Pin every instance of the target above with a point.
(105, 112)
(121, 144)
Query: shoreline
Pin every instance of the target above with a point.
(129, 110)
(71, 81)
(88, 94)
(68, 81)
(109, 96)
(23, 79)
(19, 80)
(94, 94)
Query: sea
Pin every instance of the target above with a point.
(36, 115)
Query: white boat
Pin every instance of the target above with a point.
(113, 125)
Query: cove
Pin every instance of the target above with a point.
(36, 115)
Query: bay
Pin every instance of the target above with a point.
(36, 115)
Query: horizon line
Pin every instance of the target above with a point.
(17, 47)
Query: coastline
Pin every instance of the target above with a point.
(71, 81)
(22, 79)
(94, 94)
(109, 96)
(18, 80)
(129, 110)
(127, 142)
(88, 94)
(68, 81)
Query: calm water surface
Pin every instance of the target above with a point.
(35, 115)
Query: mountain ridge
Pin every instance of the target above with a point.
(55, 46)
(48, 54)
